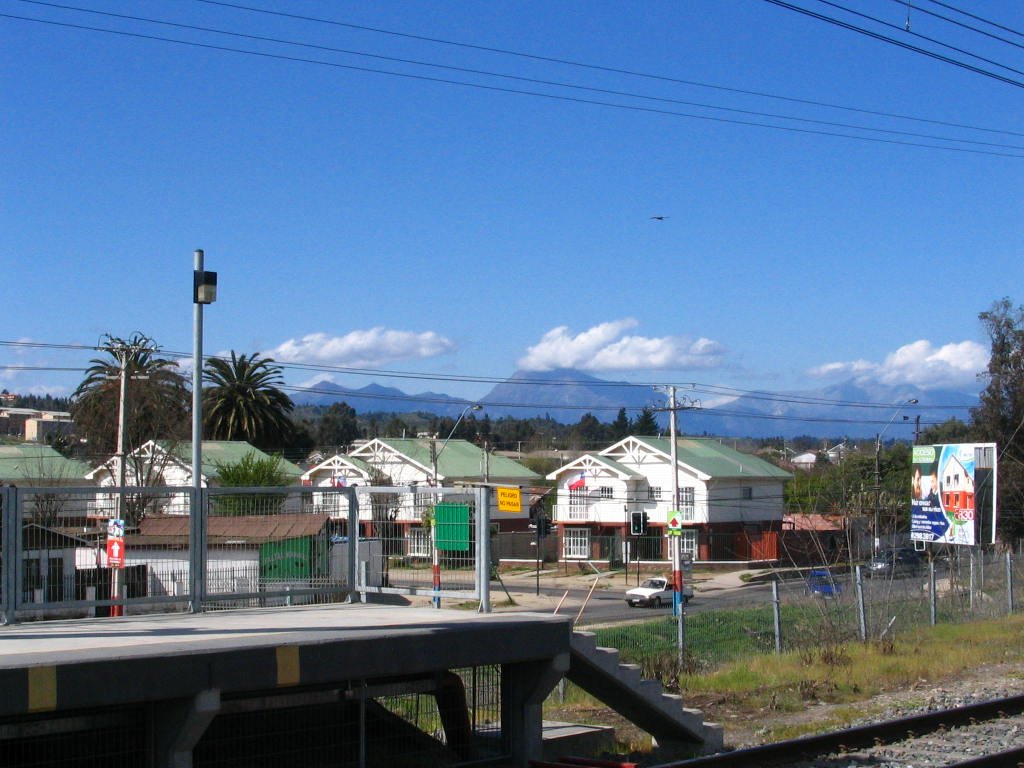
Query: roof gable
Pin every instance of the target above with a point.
(456, 459)
(593, 465)
(707, 458)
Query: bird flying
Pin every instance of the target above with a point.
(659, 218)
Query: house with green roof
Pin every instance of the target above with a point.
(421, 463)
(33, 464)
(729, 503)
(164, 463)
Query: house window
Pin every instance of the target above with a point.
(605, 492)
(746, 493)
(688, 544)
(419, 542)
(576, 544)
(685, 504)
(654, 493)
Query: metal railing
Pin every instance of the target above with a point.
(255, 547)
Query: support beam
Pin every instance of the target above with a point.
(524, 687)
(178, 725)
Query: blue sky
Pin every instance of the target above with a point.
(359, 219)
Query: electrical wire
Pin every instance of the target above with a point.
(962, 25)
(947, 46)
(899, 43)
(520, 91)
(531, 80)
(976, 18)
(600, 68)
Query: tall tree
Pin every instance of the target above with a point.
(337, 427)
(244, 401)
(619, 428)
(157, 402)
(999, 417)
(645, 423)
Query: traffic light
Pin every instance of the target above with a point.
(638, 523)
(543, 526)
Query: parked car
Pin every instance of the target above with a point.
(893, 561)
(656, 592)
(821, 582)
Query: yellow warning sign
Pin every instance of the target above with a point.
(509, 500)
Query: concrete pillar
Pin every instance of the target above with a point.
(179, 724)
(524, 687)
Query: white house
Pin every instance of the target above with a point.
(339, 471)
(730, 503)
(158, 463)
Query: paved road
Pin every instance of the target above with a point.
(607, 602)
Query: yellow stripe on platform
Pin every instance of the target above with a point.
(42, 689)
(288, 665)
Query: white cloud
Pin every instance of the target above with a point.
(361, 349)
(919, 363)
(606, 347)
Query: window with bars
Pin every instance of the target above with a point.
(688, 543)
(576, 543)
(746, 493)
(654, 492)
(684, 504)
(419, 542)
(605, 492)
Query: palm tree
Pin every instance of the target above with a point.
(157, 402)
(243, 401)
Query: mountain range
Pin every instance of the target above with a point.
(849, 409)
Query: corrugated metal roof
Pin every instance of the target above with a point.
(709, 456)
(223, 452)
(22, 462)
(459, 459)
(242, 529)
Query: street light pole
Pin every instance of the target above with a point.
(878, 473)
(204, 291)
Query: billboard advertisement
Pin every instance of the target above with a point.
(953, 498)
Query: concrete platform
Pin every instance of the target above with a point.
(66, 665)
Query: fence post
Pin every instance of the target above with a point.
(970, 593)
(777, 616)
(11, 518)
(932, 597)
(198, 499)
(483, 547)
(1009, 583)
(861, 612)
(353, 543)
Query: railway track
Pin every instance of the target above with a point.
(983, 735)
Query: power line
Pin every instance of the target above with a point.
(894, 41)
(600, 68)
(518, 78)
(976, 18)
(523, 92)
(884, 23)
(962, 25)
(710, 389)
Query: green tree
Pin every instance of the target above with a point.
(588, 434)
(337, 427)
(645, 423)
(1000, 415)
(251, 471)
(243, 401)
(157, 405)
(619, 428)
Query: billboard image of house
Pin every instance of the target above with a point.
(953, 493)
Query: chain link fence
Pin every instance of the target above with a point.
(815, 608)
(71, 552)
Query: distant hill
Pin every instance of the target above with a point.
(565, 395)
(373, 398)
